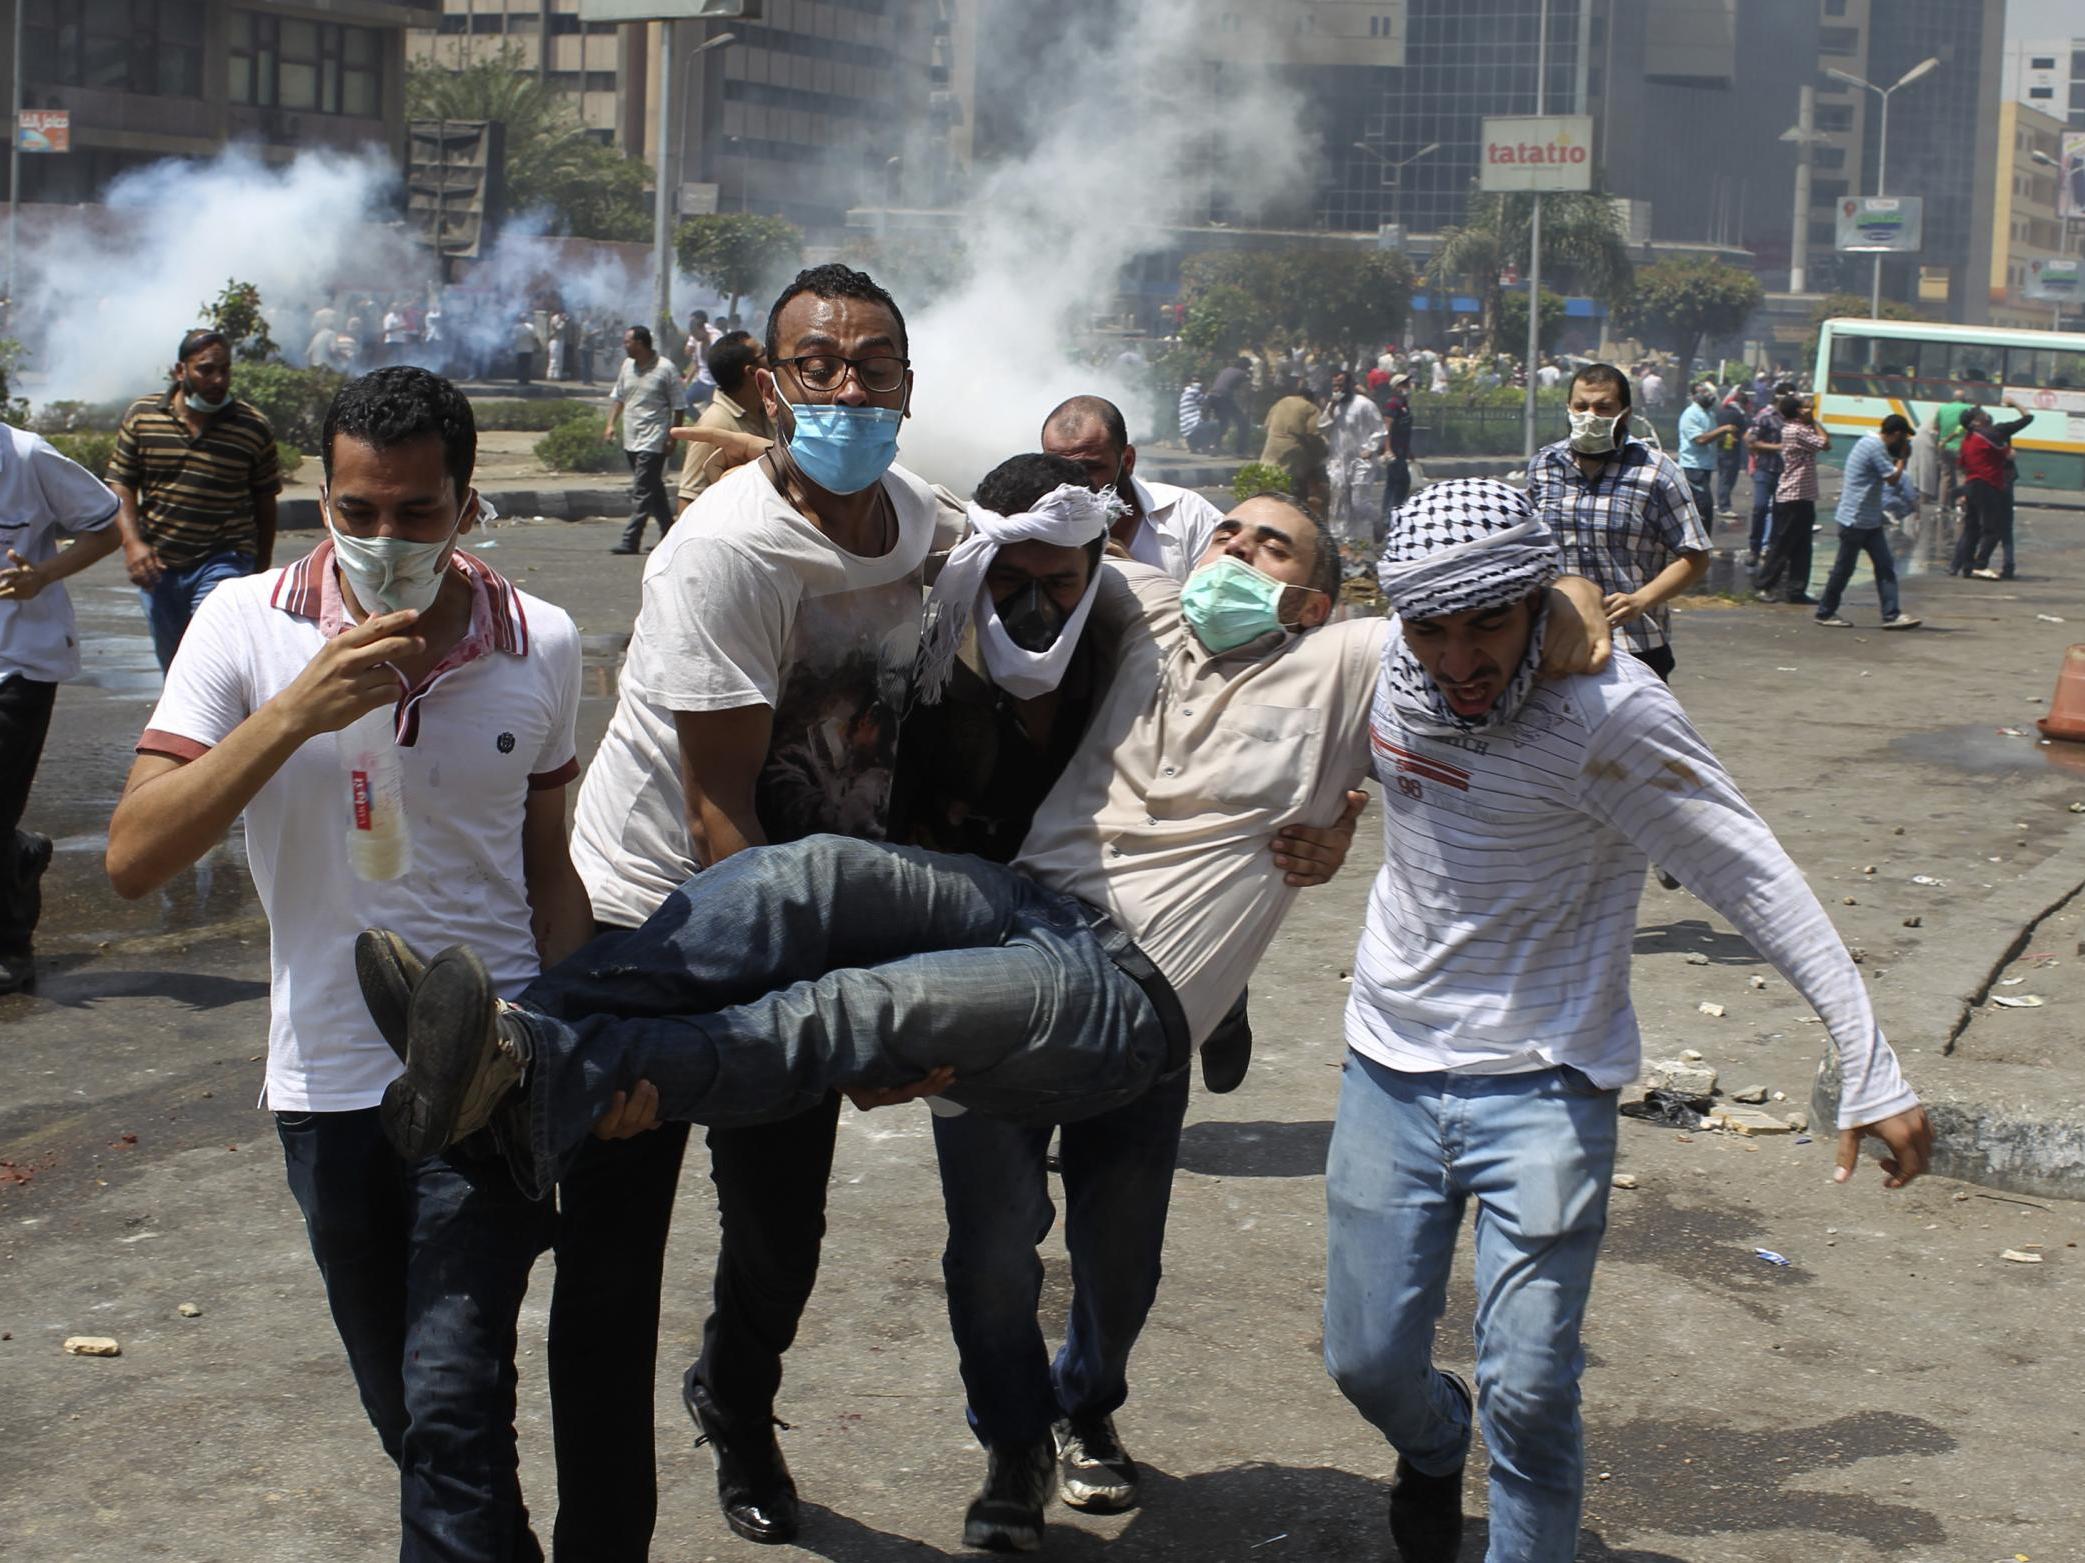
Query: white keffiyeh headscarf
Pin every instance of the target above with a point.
(1069, 517)
(1459, 546)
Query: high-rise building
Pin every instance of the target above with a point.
(2049, 74)
(578, 59)
(2024, 215)
(144, 80)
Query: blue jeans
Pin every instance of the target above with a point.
(1409, 1152)
(425, 1267)
(172, 600)
(1762, 512)
(1853, 542)
(1118, 1184)
(785, 972)
(1729, 464)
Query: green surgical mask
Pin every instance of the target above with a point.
(1228, 603)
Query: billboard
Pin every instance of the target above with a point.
(1879, 224)
(2057, 279)
(44, 130)
(2070, 178)
(1537, 152)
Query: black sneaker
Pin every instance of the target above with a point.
(463, 1056)
(1426, 1511)
(754, 1487)
(1007, 1514)
(1227, 1054)
(32, 852)
(17, 971)
(388, 970)
(1094, 1471)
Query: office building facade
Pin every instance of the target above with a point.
(582, 61)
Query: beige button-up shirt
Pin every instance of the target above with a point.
(1191, 765)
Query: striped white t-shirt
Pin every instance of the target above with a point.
(1500, 926)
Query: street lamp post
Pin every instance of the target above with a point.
(1882, 150)
(1392, 170)
(1527, 433)
(2039, 156)
(667, 175)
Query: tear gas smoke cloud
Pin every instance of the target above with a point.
(1128, 132)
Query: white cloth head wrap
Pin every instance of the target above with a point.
(1464, 544)
(1069, 517)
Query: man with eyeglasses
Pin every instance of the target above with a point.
(759, 703)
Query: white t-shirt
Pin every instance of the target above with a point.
(1176, 529)
(748, 604)
(42, 494)
(494, 722)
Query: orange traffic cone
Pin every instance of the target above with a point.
(2066, 718)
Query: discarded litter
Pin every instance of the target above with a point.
(1927, 879)
(1770, 1257)
(2048, 618)
(189, 1311)
(488, 543)
(1914, 922)
(1696, 958)
(2010, 982)
(2018, 1000)
(2078, 808)
(1669, 1108)
(2015, 1256)
(1787, 670)
(1758, 982)
(1802, 1139)
(1714, 1011)
(2012, 732)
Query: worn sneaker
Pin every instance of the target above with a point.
(17, 971)
(1094, 1471)
(1834, 622)
(754, 1487)
(1426, 1511)
(1901, 621)
(463, 1055)
(388, 970)
(1007, 1513)
(1985, 575)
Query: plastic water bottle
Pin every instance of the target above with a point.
(379, 843)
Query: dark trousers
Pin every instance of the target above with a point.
(1702, 481)
(425, 1266)
(1785, 568)
(1660, 660)
(1729, 464)
(648, 501)
(1998, 534)
(1230, 421)
(1118, 1185)
(1397, 487)
(771, 1180)
(25, 720)
(1853, 542)
(1987, 525)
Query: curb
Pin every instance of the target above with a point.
(558, 504)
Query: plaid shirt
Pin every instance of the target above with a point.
(1620, 527)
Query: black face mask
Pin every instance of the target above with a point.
(1031, 620)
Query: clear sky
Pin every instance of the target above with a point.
(2026, 19)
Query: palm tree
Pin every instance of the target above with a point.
(1581, 234)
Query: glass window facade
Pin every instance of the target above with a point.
(311, 67)
(153, 47)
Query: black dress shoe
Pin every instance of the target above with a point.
(1227, 1053)
(754, 1488)
(388, 970)
(622, 548)
(1426, 1511)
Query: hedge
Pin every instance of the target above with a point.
(541, 416)
(576, 446)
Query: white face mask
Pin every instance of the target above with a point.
(392, 573)
(1595, 434)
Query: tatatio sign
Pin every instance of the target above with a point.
(1541, 152)
(1874, 224)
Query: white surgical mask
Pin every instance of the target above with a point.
(1595, 434)
(197, 404)
(392, 573)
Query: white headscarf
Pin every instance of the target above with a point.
(1069, 517)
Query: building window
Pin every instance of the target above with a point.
(2040, 94)
(143, 46)
(2042, 62)
(1834, 7)
(1838, 40)
(1828, 157)
(1835, 116)
(314, 67)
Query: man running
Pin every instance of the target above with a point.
(1489, 1023)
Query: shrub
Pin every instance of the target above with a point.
(91, 450)
(295, 400)
(540, 416)
(1259, 477)
(289, 458)
(576, 446)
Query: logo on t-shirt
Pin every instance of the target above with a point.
(506, 743)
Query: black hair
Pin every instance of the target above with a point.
(729, 361)
(1601, 374)
(1324, 561)
(390, 407)
(1896, 423)
(1019, 481)
(1076, 412)
(701, 315)
(1788, 404)
(832, 280)
(193, 342)
(642, 333)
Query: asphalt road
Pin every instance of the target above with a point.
(1898, 1391)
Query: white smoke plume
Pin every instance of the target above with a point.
(1127, 129)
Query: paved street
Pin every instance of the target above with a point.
(1897, 1392)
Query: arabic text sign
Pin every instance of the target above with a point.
(44, 130)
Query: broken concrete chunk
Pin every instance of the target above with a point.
(1691, 1054)
(189, 1311)
(91, 1346)
(1758, 983)
(1696, 958)
(1624, 1180)
(1751, 1093)
(1797, 1123)
(1680, 1077)
(1714, 1011)
(1742, 1120)
(2019, 1258)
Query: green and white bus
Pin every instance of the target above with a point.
(1868, 369)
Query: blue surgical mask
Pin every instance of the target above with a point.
(1229, 603)
(843, 449)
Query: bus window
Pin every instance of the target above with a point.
(2029, 368)
(1977, 362)
(1849, 367)
(2066, 370)
(1933, 382)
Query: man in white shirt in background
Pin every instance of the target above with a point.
(1489, 1023)
(647, 397)
(1354, 436)
(43, 496)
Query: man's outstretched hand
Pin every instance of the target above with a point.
(933, 1083)
(1909, 1138)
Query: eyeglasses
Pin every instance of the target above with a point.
(828, 371)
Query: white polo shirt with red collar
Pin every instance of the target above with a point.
(495, 720)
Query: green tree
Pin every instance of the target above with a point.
(1678, 302)
(553, 164)
(738, 252)
(237, 313)
(1513, 320)
(1581, 236)
(1335, 300)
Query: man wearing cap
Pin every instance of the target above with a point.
(1489, 1025)
(195, 473)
